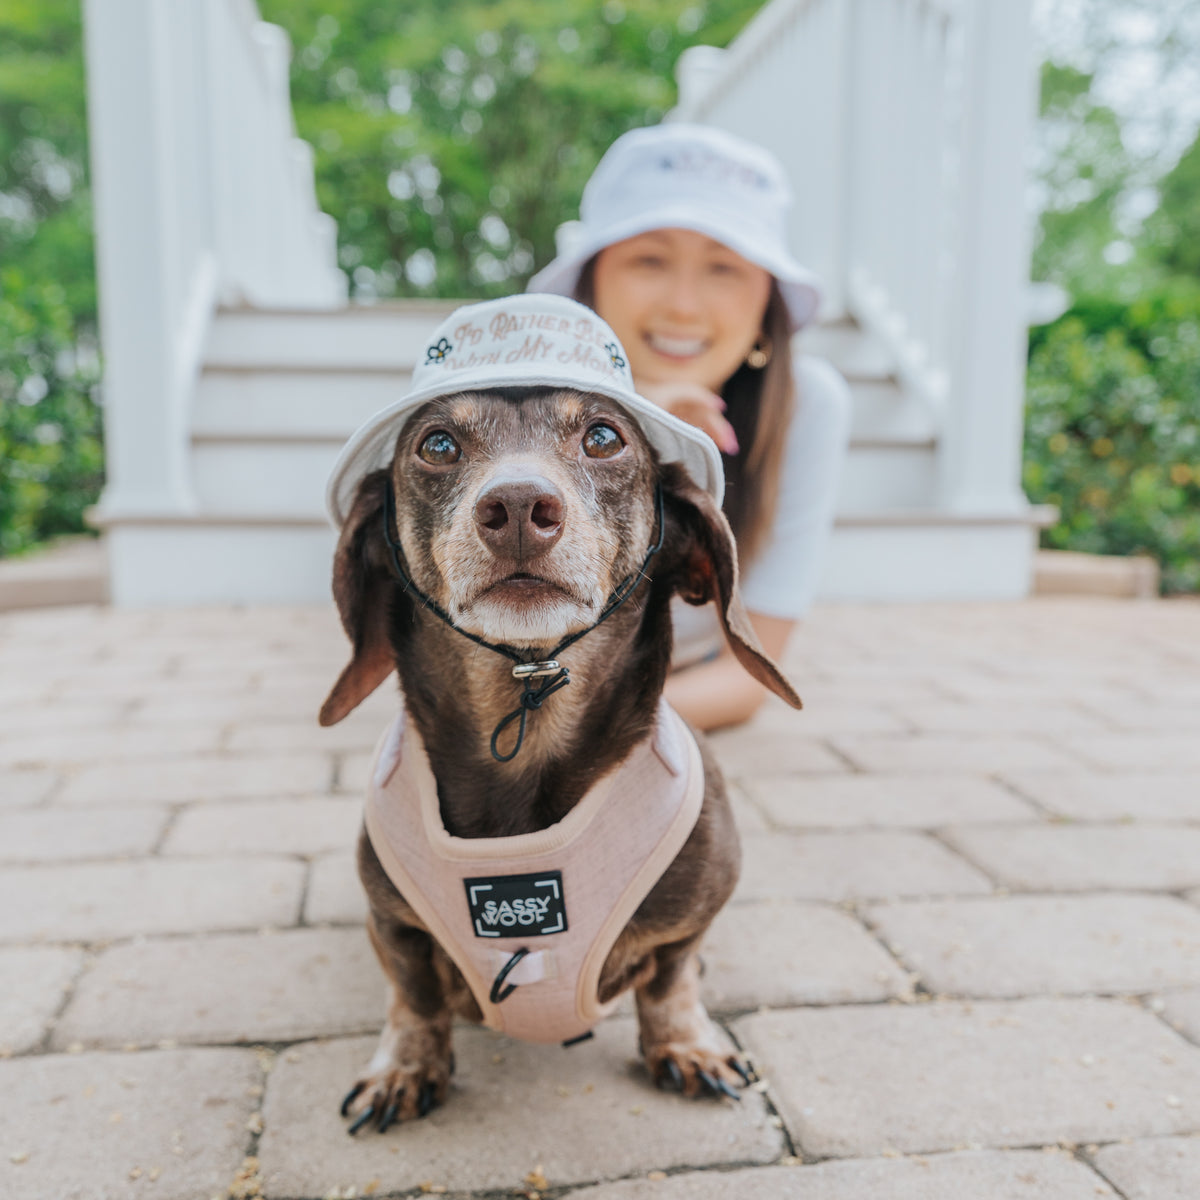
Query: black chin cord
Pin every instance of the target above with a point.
(553, 675)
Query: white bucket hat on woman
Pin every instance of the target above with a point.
(526, 341)
(693, 177)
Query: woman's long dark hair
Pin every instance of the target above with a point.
(759, 406)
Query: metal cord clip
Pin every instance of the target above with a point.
(533, 670)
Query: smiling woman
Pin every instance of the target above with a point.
(681, 249)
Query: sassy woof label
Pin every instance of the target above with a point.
(516, 905)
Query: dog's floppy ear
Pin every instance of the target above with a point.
(706, 569)
(361, 587)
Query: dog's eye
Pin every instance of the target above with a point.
(440, 448)
(602, 441)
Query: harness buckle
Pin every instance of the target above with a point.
(534, 670)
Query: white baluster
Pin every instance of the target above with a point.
(981, 458)
(136, 159)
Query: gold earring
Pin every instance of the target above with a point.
(760, 353)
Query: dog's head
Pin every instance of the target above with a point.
(519, 513)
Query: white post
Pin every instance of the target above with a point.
(836, 217)
(133, 173)
(981, 442)
(696, 70)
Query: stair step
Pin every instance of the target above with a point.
(882, 415)
(289, 404)
(1034, 517)
(306, 405)
(384, 337)
(270, 477)
(235, 560)
(857, 354)
(919, 556)
(392, 336)
(880, 477)
(272, 474)
(71, 571)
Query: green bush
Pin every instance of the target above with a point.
(1112, 432)
(50, 443)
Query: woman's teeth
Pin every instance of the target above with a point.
(676, 347)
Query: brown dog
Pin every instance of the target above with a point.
(519, 513)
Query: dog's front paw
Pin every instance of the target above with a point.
(707, 1065)
(390, 1091)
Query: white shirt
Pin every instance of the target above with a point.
(782, 580)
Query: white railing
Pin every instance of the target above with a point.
(203, 196)
(902, 124)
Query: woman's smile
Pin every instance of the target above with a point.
(676, 347)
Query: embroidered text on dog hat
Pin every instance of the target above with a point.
(679, 176)
(521, 341)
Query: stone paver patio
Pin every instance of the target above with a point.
(965, 953)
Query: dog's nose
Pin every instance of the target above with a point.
(519, 518)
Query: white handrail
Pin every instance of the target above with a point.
(902, 125)
(202, 195)
(782, 83)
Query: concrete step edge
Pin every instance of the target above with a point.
(1070, 573)
(73, 571)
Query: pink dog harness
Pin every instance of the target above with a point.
(561, 895)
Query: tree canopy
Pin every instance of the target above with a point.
(453, 136)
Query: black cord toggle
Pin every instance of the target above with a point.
(531, 700)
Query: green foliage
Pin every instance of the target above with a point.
(1113, 429)
(453, 136)
(1084, 174)
(51, 463)
(50, 445)
(1099, 169)
(1113, 398)
(1172, 233)
(45, 205)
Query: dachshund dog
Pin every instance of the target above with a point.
(511, 518)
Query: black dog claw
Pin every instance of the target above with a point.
(673, 1073)
(425, 1099)
(731, 1092)
(351, 1096)
(746, 1076)
(710, 1084)
(389, 1114)
(362, 1120)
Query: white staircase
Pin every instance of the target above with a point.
(926, 322)
(280, 391)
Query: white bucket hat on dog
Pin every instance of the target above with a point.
(679, 176)
(525, 341)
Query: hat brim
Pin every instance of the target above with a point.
(372, 445)
(800, 288)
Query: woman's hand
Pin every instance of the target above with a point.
(696, 405)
